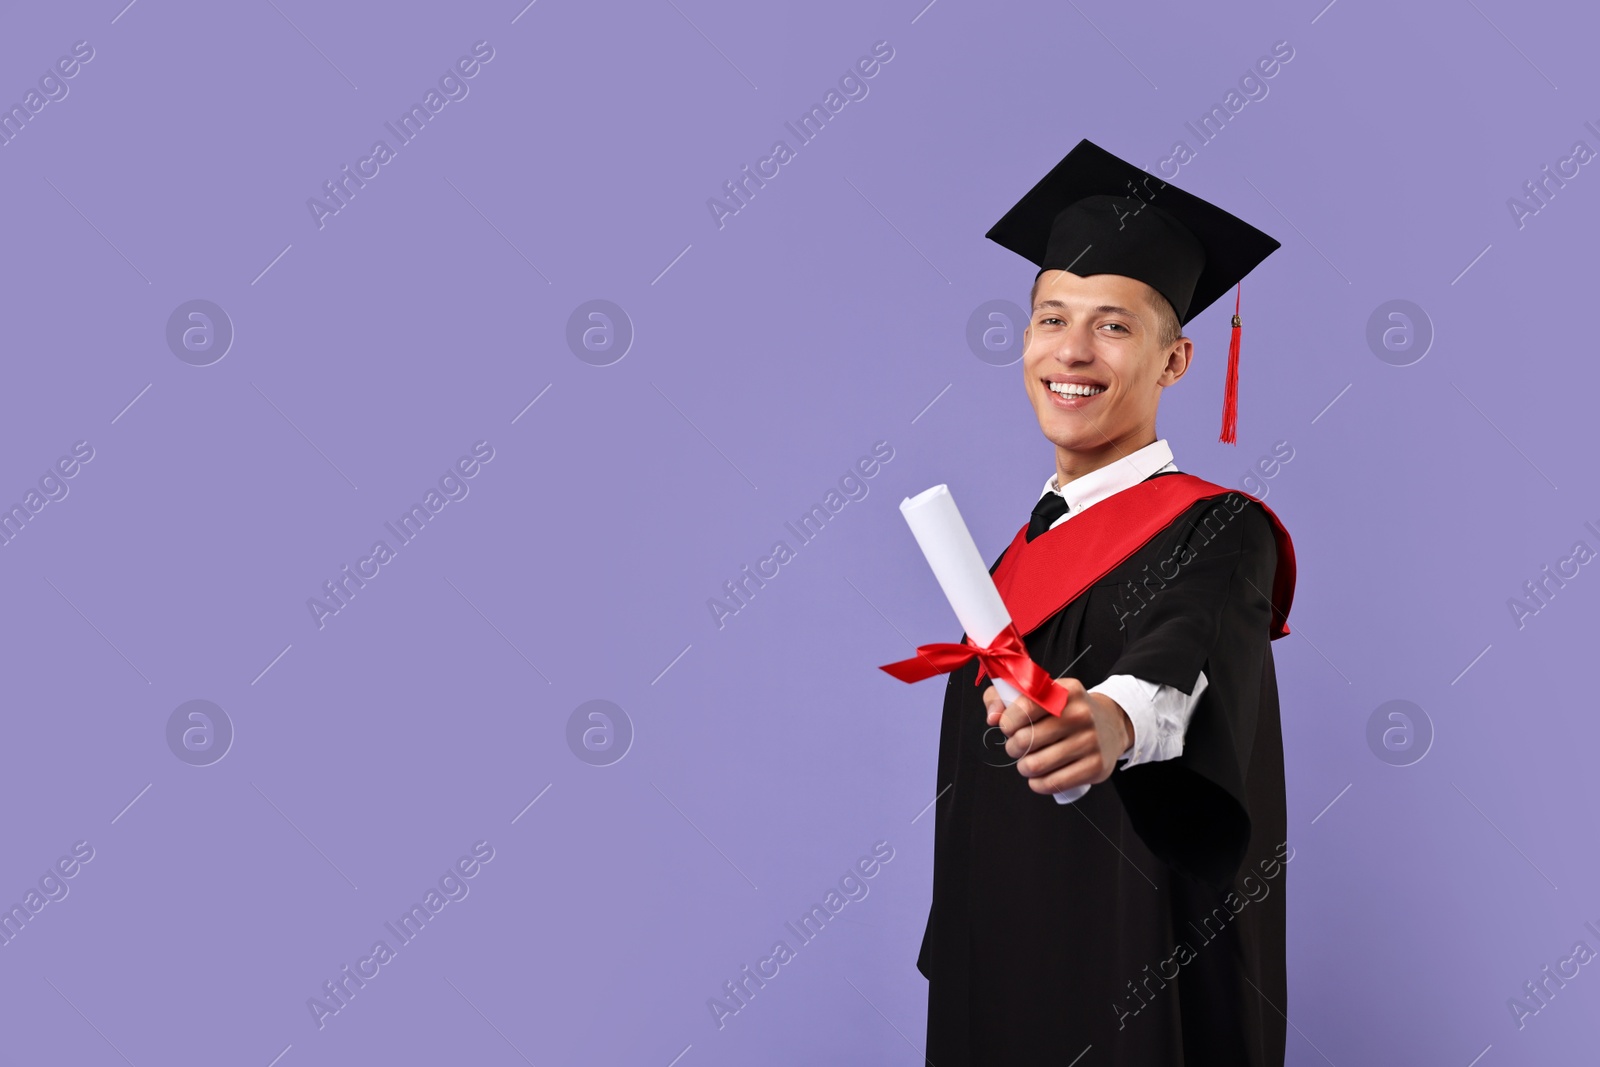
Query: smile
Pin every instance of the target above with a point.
(1069, 389)
(1072, 395)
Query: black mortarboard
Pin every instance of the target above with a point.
(1097, 214)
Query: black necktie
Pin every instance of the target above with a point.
(1050, 507)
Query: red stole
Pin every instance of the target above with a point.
(1038, 578)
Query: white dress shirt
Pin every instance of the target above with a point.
(1159, 713)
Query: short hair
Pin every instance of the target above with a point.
(1168, 329)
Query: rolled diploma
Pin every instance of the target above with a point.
(947, 543)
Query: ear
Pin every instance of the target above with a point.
(1177, 364)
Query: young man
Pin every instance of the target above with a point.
(1144, 923)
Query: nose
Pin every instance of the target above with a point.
(1073, 346)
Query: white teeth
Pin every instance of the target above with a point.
(1068, 389)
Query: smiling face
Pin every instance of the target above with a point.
(1094, 364)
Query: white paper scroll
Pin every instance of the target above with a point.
(946, 542)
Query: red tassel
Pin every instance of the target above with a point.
(1230, 394)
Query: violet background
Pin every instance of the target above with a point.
(770, 754)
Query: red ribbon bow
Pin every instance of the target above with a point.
(1006, 657)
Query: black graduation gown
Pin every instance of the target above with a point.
(1055, 930)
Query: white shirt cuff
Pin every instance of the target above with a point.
(1159, 714)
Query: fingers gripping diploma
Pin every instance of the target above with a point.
(1056, 754)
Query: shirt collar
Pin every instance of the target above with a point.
(1114, 477)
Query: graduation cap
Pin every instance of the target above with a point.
(1097, 214)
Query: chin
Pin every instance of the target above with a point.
(1076, 433)
(1076, 442)
(1069, 437)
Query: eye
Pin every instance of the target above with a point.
(1048, 318)
(1117, 326)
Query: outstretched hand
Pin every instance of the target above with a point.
(1057, 753)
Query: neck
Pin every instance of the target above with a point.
(1075, 463)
